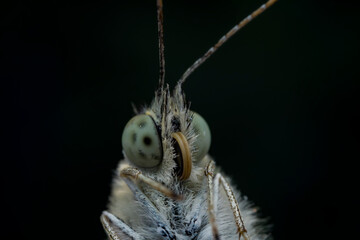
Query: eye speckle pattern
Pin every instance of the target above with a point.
(147, 141)
(142, 154)
(142, 124)
(141, 142)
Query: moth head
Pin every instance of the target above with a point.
(147, 137)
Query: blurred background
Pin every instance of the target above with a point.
(281, 99)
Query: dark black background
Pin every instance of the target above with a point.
(280, 99)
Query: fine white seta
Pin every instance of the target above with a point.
(167, 186)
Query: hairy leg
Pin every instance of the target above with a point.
(162, 227)
(213, 195)
(136, 174)
(209, 172)
(117, 229)
(220, 180)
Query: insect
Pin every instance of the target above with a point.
(167, 186)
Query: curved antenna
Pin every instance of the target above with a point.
(160, 19)
(223, 39)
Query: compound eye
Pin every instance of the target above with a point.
(141, 142)
(203, 140)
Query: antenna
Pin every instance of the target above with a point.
(223, 39)
(160, 20)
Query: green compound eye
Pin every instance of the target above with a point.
(141, 142)
(203, 140)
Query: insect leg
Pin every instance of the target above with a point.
(117, 229)
(219, 179)
(136, 174)
(162, 227)
(209, 172)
